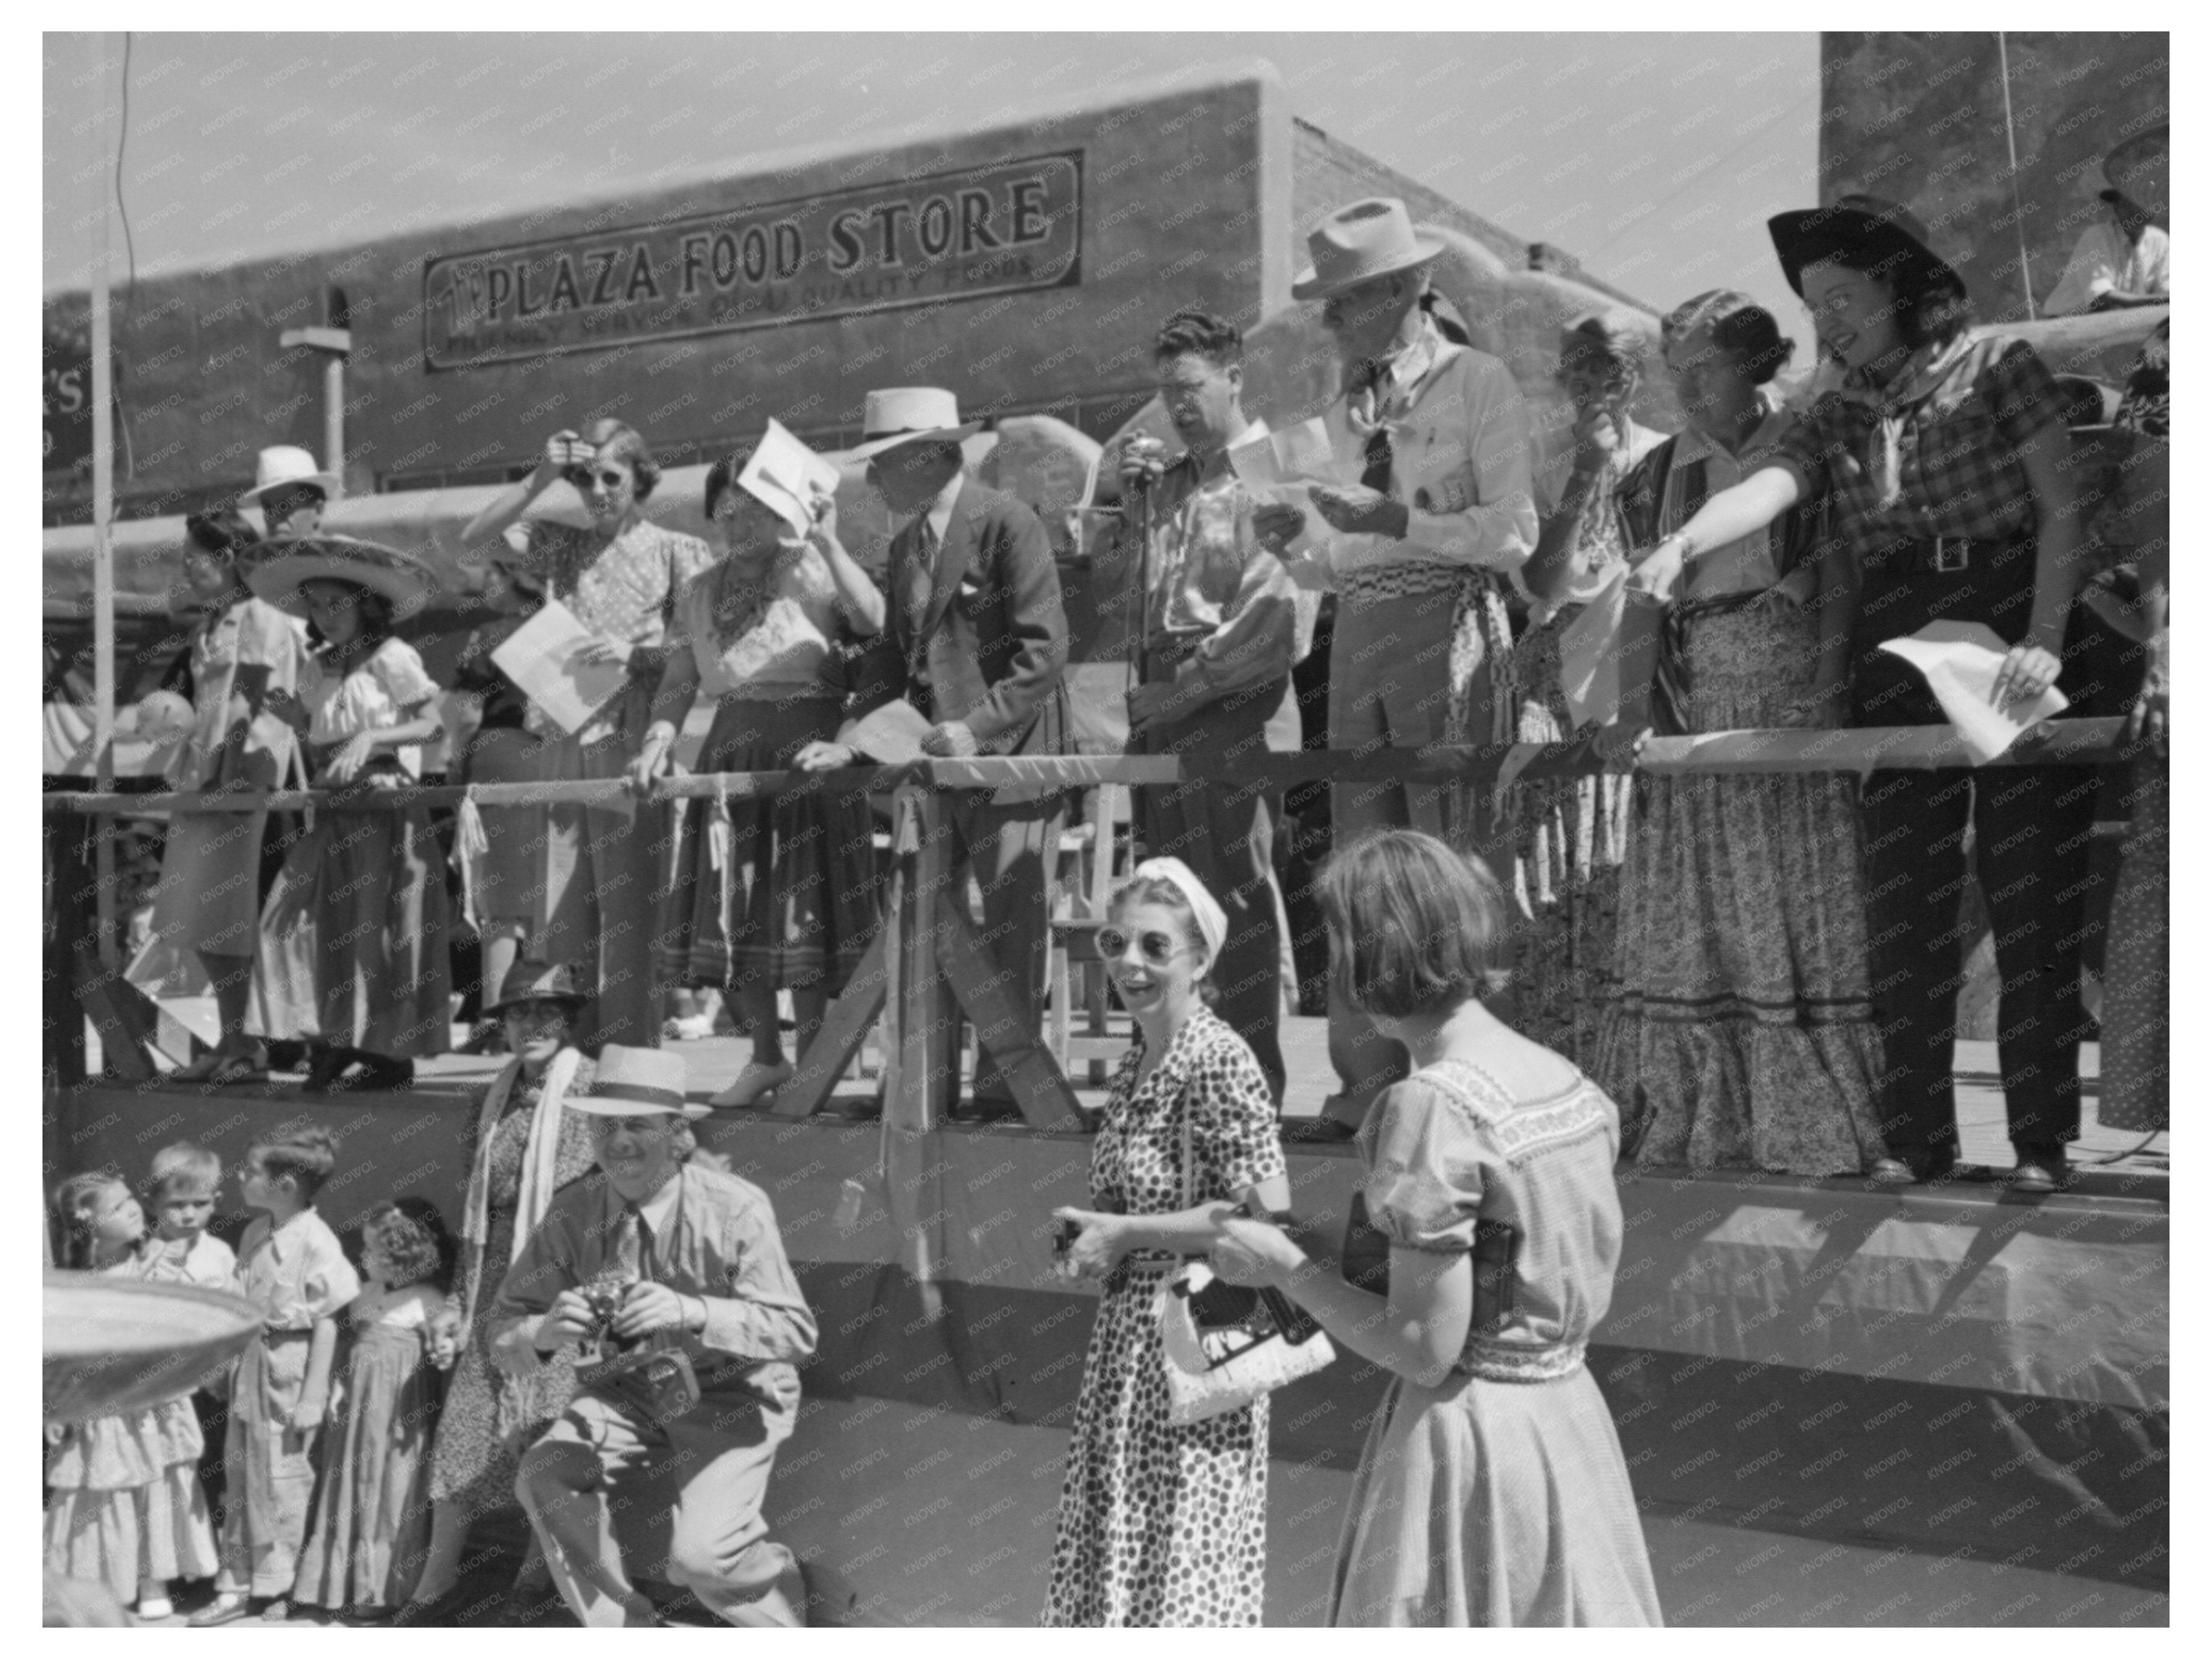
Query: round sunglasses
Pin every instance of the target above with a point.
(1158, 948)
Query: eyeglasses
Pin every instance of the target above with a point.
(1159, 949)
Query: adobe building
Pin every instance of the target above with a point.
(1023, 265)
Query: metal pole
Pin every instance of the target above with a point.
(334, 416)
(103, 507)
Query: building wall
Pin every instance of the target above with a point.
(1920, 119)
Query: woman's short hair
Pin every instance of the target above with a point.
(412, 1235)
(1606, 338)
(624, 443)
(184, 1167)
(373, 609)
(1412, 925)
(1200, 334)
(1928, 298)
(304, 1157)
(1737, 323)
(224, 533)
(1158, 890)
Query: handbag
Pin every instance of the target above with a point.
(1221, 1349)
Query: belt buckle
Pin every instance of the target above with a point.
(1950, 555)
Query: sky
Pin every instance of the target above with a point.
(1653, 158)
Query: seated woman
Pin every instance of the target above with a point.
(1189, 1132)
(789, 901)
(1742, 1034)
(1479, 1257)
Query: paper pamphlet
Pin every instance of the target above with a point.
(542, 657)
(1283, 467)
(1590, 654)
(1959, 662)
(891, 735)
(786, 475)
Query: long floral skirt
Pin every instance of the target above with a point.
(786, 890)
(2137, 1032)
(1742, 1034)
(353, 947)
(489, 1417)
(1570, 838)
(1158, 1525)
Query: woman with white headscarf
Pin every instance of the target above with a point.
(1161, 1525)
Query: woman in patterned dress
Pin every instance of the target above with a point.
(781, 894)
(1161, 1525)
(603, 862)
(2136, 1028)
(1743, 1034)
(527, 1146)
(1570, 832)
(1479, 1257)
(1946, 462)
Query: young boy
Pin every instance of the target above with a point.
(290, 1266)
(180, 1196)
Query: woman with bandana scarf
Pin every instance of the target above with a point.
(1944, 458)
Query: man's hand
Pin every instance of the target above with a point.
(1143, 460)
(819, 756)
(1167, 699)
(1355, 509)
(649, 1308)
(950, 740)
(2027, 673)
(570, 1319)
(1278, 524)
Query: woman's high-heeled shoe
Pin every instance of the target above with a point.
(754, 1082)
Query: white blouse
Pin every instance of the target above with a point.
(374, 696)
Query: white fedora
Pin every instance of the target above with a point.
(636, 1083)
(287, 463)
(910, 414)
(1365, 239)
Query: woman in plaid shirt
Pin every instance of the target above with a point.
(1943, 461)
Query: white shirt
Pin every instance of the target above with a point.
(1459, 460)
(2104, 262)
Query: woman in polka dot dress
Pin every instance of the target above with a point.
(1160, 1525)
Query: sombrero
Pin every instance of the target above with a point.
(1856, 224)
(289, 561)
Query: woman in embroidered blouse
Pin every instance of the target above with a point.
(1570, 833)
(1742, 1035)
(622, 580)
(1161, 1525)
(352, 949)
(781, 894)
(1479, 1258)
(1944, 460)
(526, 1146)
(209, 897)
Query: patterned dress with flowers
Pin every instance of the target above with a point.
(1160, 1525)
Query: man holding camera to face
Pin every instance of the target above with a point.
(676, 1276)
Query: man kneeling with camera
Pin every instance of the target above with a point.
(672, 1279)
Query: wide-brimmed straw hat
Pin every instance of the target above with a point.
(910, 414)
(636, 1083)
(537, 982)
(1359, 240)
(1856, 224)
(287, 463)
(289, 561)
(2137, 169)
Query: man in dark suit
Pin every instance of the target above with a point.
(975, 639)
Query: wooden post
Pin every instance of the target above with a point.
(923, 1060)
(103, 508)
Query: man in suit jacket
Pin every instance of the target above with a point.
(976, 640)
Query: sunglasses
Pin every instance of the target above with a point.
(1159, 949)
(608, 478)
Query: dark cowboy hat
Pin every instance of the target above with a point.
(537, 982)
(1855, 224)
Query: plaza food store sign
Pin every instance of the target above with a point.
(981, 231)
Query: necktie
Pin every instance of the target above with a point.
(632, 1241)
(1376, 473)
(920, 579)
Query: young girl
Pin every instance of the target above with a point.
(371, 1518)
(290, 1266)
(127, 1508)
(1478, 1256)
(790, 901)
(353, 938)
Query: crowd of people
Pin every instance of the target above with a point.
(1749, 971)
